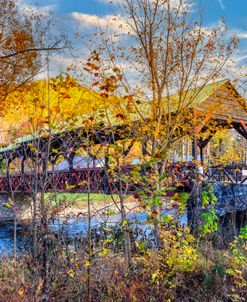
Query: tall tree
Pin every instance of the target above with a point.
(168, 53)
(22, 38)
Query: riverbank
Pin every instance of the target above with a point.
(69, 205)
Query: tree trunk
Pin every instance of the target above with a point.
(126, 231)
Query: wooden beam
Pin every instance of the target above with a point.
(240, 129)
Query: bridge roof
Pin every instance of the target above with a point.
(220, 99)
(195, 96)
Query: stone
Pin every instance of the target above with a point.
(22, 207)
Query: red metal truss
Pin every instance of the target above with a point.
(93, 180)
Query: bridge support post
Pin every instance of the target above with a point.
(106, 178)
(22, 165)
(198, 147)
(22, 172)
(144, 153)
(195, 148)
(43, 170)
(201, 154)
(70, 158)
(8, 174)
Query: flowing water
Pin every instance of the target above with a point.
(72, 226)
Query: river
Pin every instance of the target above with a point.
(73, 226)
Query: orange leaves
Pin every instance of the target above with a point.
(18, 62)
(7, 43)
(87, 69)
(57, 109)
(92, 66)
(21, 39)
(95, 84)
(120, 116)
(65, 95)
(211, 45)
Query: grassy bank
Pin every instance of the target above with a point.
(79, 199)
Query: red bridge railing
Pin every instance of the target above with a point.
(96, 180)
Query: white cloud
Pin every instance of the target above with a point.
(28, 8)
(221, 4)
(185, 5)
(114, 23)
(172, 2)
(110, 1)
(242, 35)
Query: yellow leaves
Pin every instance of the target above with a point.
(33, 149)
(105, 252)
(155, 277)
(54, 151)
(9, 204)
(57, 109)
(71, 273)
(61, 99)
(21, 292)
(87, 263)
(68, 186)
(179, 252)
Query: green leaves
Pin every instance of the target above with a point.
(183, 197)
(208, 197)
(156, 201)
(167, 218)
(163, 176)
(125, 222)
(9, 204)
(243, 232)
(210, 222)
(105, 252)
(209, 217)
(6, 205)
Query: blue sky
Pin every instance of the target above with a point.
(233, 10)
(84, 15)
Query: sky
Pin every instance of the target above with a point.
(84, 15)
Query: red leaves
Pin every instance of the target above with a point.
(120, 116)
(65, 95)
(87, 69)
(104, 87)
(92, 66)
(104, 95)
